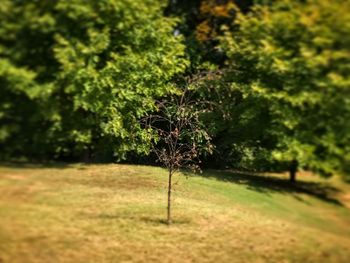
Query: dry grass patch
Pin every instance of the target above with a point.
(116, 213)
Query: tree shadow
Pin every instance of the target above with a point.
(48, 164)
(269, 184)
(153, 220)
(35, 165)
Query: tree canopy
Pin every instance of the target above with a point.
(292, 59)
(76, 75)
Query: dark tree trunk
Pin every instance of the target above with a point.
(292, 176)
(169, 198)
(293, 171)
(86, 158)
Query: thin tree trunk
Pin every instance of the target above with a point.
(169, 197)
(293, 171)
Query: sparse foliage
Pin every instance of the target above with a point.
(177, 135)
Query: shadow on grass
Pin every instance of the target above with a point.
(146, 219)
(48, 164)
(257, 182)
(269, 184)
(35, 165)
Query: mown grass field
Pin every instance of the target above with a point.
(115, 213)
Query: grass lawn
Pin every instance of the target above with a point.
(115, 213)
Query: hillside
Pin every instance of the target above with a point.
(115, 213)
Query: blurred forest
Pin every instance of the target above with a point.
(76, 78)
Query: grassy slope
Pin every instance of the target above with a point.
(115, 213)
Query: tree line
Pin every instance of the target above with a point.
(78, 77)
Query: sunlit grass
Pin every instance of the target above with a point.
(116, 213)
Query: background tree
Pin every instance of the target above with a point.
(77, 75)
(232, 126)
(237, 125)
(178, 136)
(201, 22)
(292, 58)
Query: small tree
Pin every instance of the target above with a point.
(177, 136)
